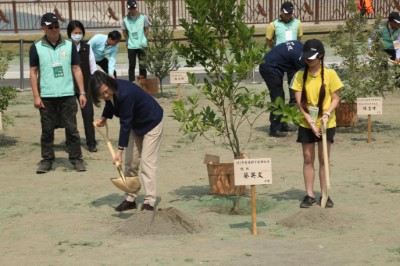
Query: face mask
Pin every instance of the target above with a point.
(76, 37)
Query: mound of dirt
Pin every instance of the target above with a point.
(316, 218)
(168, 221)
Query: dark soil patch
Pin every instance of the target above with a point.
(168, 221)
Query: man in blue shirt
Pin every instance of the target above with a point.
(284, 57)
(104, 46)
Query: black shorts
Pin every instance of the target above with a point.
(306, 135)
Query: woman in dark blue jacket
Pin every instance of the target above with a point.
(141, 126)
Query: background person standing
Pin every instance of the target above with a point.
(389, 34)
(54, 63)
(76, 32)
(283, 29)
(104, 46)
(135, 28)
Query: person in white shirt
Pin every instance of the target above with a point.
(76, 32)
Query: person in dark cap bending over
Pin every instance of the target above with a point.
(284, 57)
(54, 63)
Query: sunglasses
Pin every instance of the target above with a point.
(53, 27)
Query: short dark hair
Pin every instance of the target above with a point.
(99, 78)
(115, 35)
(75, 24)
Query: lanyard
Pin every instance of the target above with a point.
(51, 57)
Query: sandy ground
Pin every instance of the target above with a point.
(67, 218)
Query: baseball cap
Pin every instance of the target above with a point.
(394, 16)
(287, 8)
(48, 18)
(312, 48)
(131, 4)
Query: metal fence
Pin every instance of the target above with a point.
(16, 16)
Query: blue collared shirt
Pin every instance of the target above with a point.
(101, 50)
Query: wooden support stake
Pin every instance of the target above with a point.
(253, 210)
(369, 128)
(179, 91)
(1, 122)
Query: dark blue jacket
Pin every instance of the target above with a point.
(137, 110)
(285, 57)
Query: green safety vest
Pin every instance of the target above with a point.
(135, 29)
(281, 27)
(388, 38)
(51, 85)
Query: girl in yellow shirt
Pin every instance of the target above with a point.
(317, 95)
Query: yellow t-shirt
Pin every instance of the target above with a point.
(313, 85)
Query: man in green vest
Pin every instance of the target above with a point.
(135, 28)
(390, 34)
(283, 29)
(54, 63)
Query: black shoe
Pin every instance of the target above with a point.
(147, 207)
(92, 148)
(329, 202)
(277, 133)
(79, 166)
(44, 167)
(289, 128)
(126, 205)
(307, 202)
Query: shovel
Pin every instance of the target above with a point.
(324, 197)
(130, 184)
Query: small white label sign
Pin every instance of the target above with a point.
(253, 171)
(178, 77)
(369, 106)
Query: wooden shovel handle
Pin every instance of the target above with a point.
(325, 191)
(111, 149)
(326, 157)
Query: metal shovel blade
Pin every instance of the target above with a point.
(132, 184)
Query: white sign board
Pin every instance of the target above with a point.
(369, 106)
(253, 171)
(178, 77)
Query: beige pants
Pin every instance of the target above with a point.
(143, 151)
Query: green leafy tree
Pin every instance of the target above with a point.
(7, 93)
(161, 58)
(290, 114)
(362, 76)
(221, 42)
